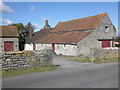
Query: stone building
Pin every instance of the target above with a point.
(9, 38)
(76, 37)
(30, 43)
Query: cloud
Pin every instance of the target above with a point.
(36, 25)
(5, 21)
(43, 18)
(4, 8)
(32, 8)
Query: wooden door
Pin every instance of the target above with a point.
(8, 46)
(105, 43)
(53, 47)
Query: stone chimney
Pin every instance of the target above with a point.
(46, 24)
(31, 32)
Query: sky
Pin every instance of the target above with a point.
(37, 12)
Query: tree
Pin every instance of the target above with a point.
(23, 33)
(28, 29)
(114, 28)
(117, 38)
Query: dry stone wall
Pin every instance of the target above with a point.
(28, 60)
(96, 53)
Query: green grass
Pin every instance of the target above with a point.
(23, 71)
(69, 56)
(107, 60)
(96, 61)
(80, 60)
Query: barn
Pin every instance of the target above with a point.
(9, 38)
(78, 36)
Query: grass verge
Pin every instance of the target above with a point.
(23, 71)
(80, 60)
(96, 61)
(107, 60)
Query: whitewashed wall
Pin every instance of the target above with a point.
(66, 49)
(43, 46)
(29, 46)
(59, 48)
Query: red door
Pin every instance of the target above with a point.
(105, 43)
(8, 46)
(53, 47)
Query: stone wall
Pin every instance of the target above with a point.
(28, 60)
(66, 49)
(15, 40)
(100, 33)
(40, 46)
(96, 53)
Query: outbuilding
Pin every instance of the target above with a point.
(78, 36)
(30, 43)
(9, 38)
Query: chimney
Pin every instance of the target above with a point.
(31, 32)
(46, 24)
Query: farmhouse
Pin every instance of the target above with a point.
(33, 38)
(78, 36)
(9, 38)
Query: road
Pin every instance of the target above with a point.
(69, 74)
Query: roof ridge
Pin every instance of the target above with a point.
(84, 17)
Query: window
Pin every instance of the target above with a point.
(106, 28)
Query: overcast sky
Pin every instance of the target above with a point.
(37, 12)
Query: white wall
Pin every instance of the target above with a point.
(59, 48)
(43, 46)
(29, 46)
(66, 49)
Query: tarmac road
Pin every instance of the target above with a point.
(69, 74)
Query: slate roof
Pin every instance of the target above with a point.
(9, 31)
(73, 31)
(85, 23)
(38, 35)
